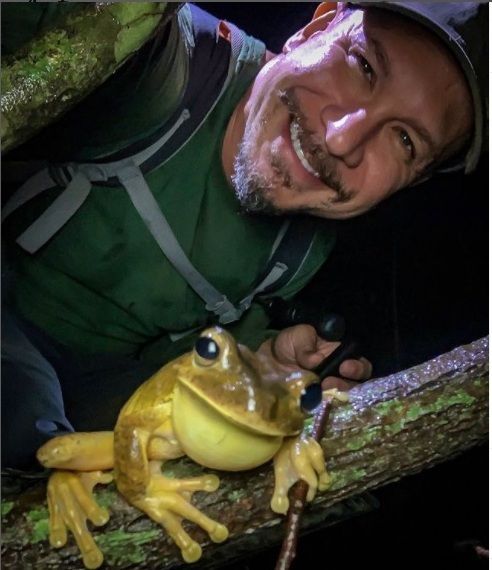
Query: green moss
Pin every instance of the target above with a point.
(37, 514)
(7, 506)
(182, 469)
(125, 547)
(393, 407)
(106, 497)
(396, 414)
(363, 438)
(57, 69)
(236, 495)
(458, 398)
(138, 21)
(40, 531)
(340, 479)
(39, 519)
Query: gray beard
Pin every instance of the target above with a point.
(253, 190)
(250, 188)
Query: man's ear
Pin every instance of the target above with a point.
(324, 14)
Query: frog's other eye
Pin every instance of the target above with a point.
(311, 397)
(207, 348)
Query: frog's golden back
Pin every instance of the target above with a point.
(154, 392)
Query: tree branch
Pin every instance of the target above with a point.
(391, 428)
(55, 71)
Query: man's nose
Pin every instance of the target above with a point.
(347, 135)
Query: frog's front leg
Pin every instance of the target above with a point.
(300, 457)
(163, 499)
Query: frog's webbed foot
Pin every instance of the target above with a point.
(167, 502)
(336, 394)
(71, 504)
(300, 457)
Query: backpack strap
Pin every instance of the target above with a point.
(143, 200)
(287, 258)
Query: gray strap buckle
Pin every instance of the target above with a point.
(57, 214)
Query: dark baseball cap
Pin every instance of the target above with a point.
(463, 27)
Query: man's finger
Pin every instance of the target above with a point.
(360, 369)
(311, 356)
(338, 383)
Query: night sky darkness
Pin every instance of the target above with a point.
(411, 280)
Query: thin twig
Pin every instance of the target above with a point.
(297, 497)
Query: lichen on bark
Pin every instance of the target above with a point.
(53, 72)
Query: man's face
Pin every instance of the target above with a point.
(348, 115)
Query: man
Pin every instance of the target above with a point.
(343, 118)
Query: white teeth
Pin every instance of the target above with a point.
(296, 143)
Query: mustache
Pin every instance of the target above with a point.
(319, 158)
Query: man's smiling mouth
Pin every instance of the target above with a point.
(312, 157)
(295, 129)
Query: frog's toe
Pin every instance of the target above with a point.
(210, 483)
(99, 516)
(93, 559)
(192, 552)
(324, 482)
(58, 537)
(336, 394)
(311, 494)
(219, 533)
(279, 504)
(160, 484)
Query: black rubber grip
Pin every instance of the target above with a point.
(330, 365)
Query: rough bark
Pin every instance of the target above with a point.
(55, 71)
(392, 427)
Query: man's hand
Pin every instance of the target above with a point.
(300, 346)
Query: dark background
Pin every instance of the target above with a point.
(411, 280)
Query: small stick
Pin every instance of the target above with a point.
(297, 497)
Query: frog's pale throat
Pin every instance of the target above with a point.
(213, 441)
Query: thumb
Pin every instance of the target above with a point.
(308, 357)
(313, 356)
(294, 345)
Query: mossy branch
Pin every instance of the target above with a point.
(55, 71)
(391, 428)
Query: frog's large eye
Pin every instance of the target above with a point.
(311, 397)
(207, 348)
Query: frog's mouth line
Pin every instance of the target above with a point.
(236, 414)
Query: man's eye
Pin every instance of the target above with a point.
(365, 67)
(407, 143)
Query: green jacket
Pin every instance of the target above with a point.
(102, 284)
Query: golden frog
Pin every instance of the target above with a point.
(223, 406)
